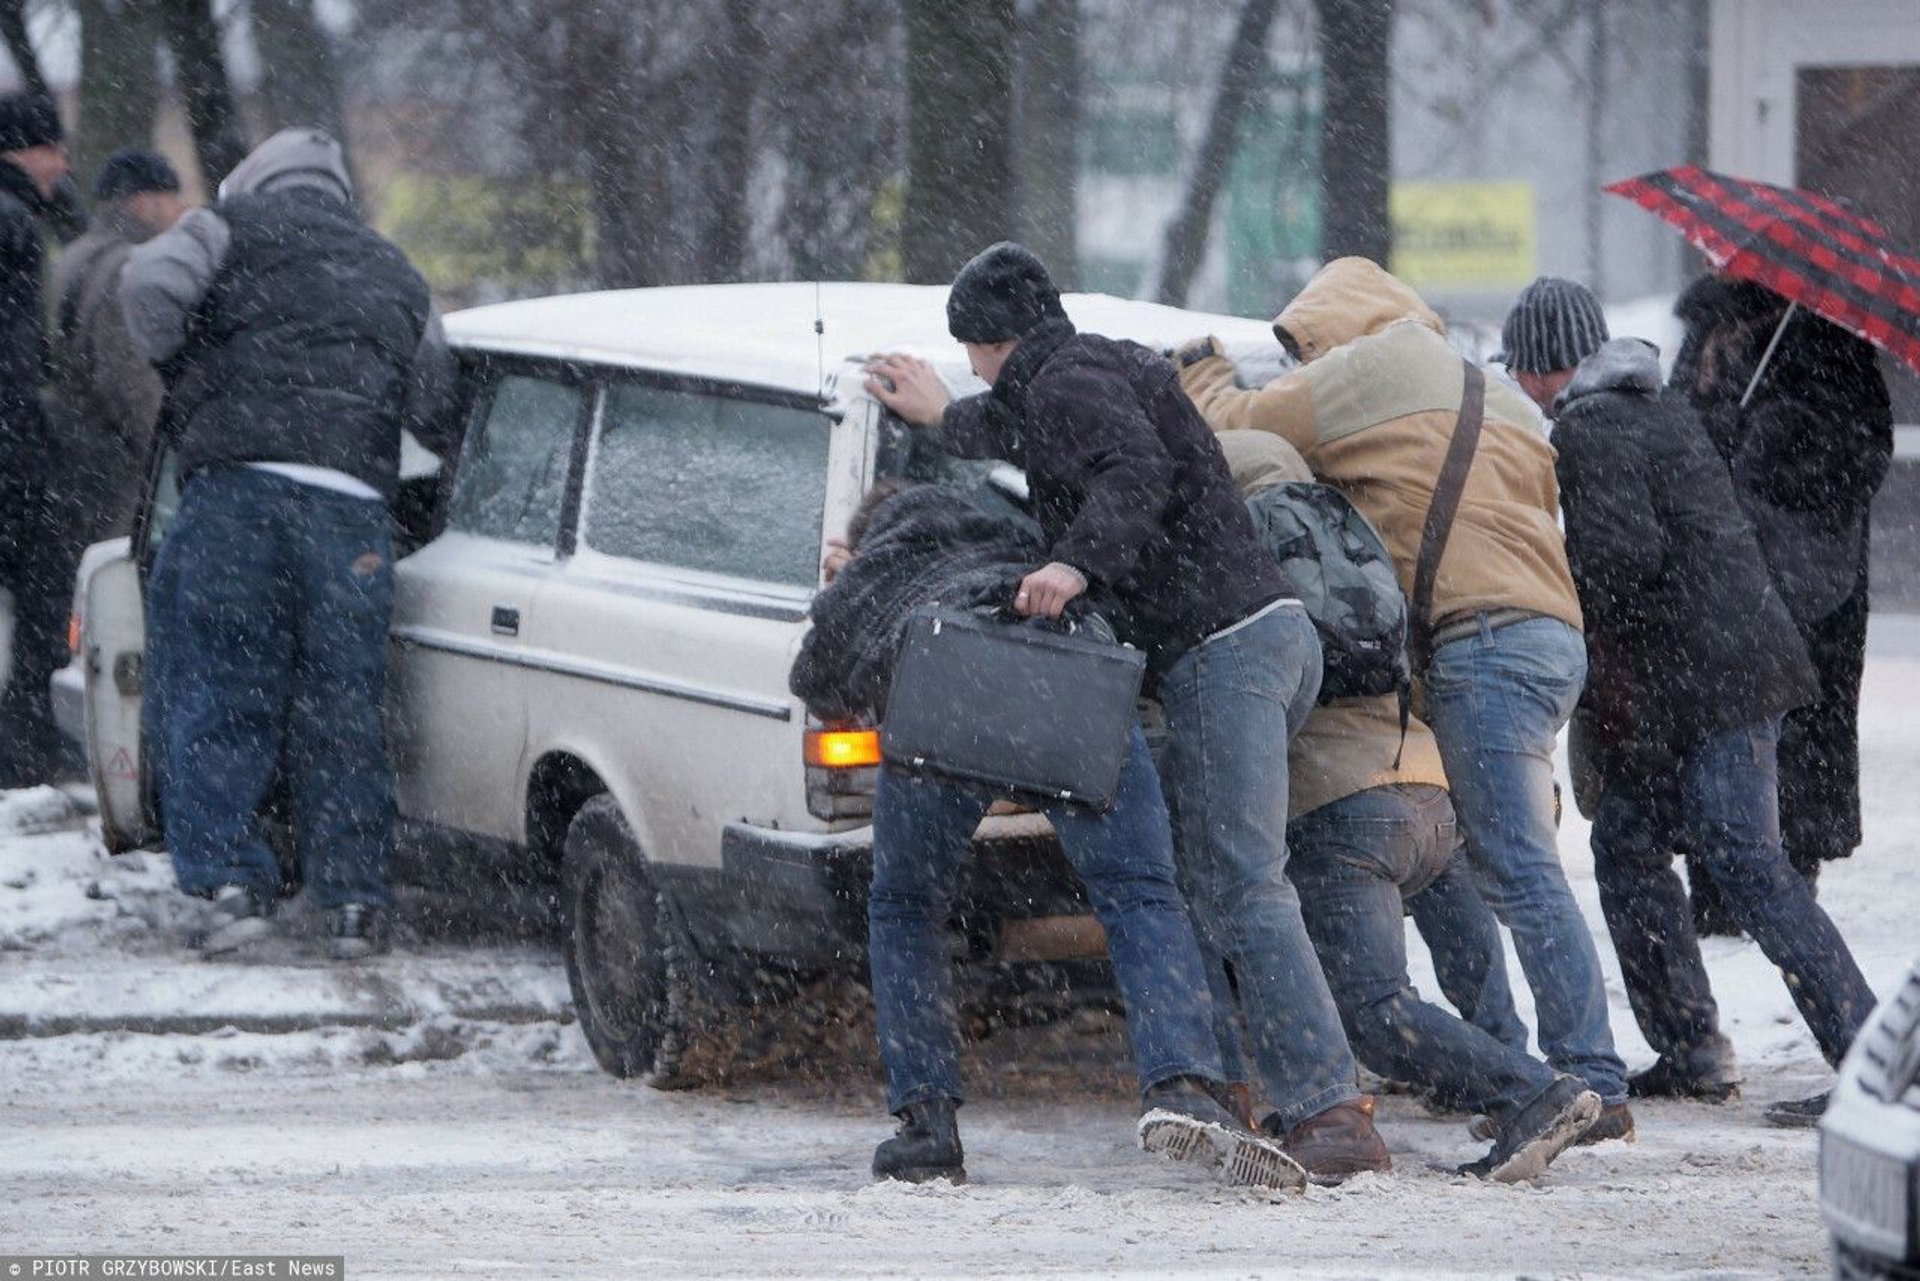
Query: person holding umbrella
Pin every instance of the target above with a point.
(1778, 361)
(1808, 451)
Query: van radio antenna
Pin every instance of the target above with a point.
(820, 339)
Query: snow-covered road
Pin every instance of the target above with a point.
(462, 1137)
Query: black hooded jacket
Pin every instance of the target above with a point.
(924, 545)
(1128, 484)
(1810, 448)
(1686, 634)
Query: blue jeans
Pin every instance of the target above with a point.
(1469, 958)
(1724, 797)
(267, 643)
(1497, 700)
(1232, 704)
(922, 830)
(1353, 861)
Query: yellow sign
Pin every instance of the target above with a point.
(1463, 234)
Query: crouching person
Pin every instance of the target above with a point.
(925, 544)
(1373, 829)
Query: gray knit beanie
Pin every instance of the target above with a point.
(1555, 324)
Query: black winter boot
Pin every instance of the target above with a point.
(927, 1146)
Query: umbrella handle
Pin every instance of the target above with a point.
(1767, 355)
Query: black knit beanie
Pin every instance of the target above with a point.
(28, 120)
(133, 171)
(1002, 293)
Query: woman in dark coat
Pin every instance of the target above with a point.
(1808, 451)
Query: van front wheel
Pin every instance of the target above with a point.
(624, 961)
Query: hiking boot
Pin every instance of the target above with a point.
(1614, 1122)
(355, 931)
(926, 1147)
(1717, 1083)
(234, 918)
(1334, 1145)
(1539, 1132)
(1798, 1114)
(1182, 1121)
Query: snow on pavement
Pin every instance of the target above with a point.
(466, 1146)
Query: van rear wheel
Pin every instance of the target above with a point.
(625, 963)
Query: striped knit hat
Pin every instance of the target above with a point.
(1554, 325)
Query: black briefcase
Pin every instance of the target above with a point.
(1016, 709)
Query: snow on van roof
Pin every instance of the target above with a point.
(763, 334)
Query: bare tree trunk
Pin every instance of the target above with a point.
(300, 78)
(1356, 155)
(959, 159)
(1186, 237)
(1047, 90)
(13, 25)
(746, 43)
(607, 103)
(119, 79)
(219, 138)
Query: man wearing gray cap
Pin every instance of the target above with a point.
(1554, 325)
(295, 343)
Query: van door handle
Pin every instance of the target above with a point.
(506, 622)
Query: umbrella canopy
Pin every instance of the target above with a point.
(1808, 249)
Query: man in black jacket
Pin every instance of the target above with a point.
(33, 162)
(1136, 505)
(1694, 660)
(295, 344)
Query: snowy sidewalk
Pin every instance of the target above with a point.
(90, 943)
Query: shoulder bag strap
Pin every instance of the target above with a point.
(1440, 512)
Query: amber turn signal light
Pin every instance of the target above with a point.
(842, 748)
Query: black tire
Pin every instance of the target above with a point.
(624, 959)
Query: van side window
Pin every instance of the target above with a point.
(513, 467)
(710, 483)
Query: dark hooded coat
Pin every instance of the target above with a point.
(1686, 633)
(922, 546)
(1807, 454)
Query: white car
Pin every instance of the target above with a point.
(1870, 1145)
(590, 653)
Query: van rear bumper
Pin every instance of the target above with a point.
(800, 898)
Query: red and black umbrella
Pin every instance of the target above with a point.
(1812, 251)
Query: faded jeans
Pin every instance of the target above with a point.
(1497, 701)
(1724, 796)
(1353, 860)
(922, 831)
(1232, 704)
(267, 649)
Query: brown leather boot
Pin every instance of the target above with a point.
(1338, 1143)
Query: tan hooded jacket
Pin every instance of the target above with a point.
(1351, 745)
(1373, 407)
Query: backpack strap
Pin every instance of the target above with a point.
(1440, 513)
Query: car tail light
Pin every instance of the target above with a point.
(843, 764)
(73, 632)
(842, 748)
